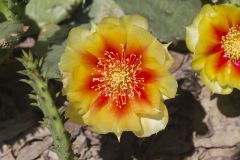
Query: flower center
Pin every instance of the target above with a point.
(117, 77)
(231, 43)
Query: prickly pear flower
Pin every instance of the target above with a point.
(214, 38)
(115, 77)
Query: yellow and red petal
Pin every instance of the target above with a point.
(148, 102)
(111, 118)
(82, 85)
(212, 31)
(113, 36)
(94, 45)
(138, 43)
(225, 9)
(217, 64)
(156, 73)
(204, 48)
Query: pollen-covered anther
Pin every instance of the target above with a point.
(116, 77)
(231, 43)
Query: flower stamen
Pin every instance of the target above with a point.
(116, 77)
(231, 43)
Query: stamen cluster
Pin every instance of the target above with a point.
(116, 77)
(231, 43)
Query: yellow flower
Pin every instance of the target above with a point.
(214, 38)
(115, 77)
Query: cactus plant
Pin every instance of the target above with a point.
(44, 101)
(167, 18)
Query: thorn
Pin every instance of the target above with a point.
(34, 104)
(25, 81)
(23, 72)
(19, 59)
(44, 74)
(93, 26)
(40, 63)
(167, 45)
(32, 96)
(25, 54)
(58, 94)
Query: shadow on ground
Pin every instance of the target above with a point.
(229, 105)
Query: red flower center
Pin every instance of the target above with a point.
(231, 43)
(115, 76)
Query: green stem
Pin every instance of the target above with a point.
(52, 120)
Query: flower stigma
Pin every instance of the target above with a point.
(231, 43)
(116, 77)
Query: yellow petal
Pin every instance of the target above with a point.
(192, 34)
(127, 21)
(214, 86)
(72, 113)
(93, 44)
(160, 53)
(167, 84)
(112, 20)
(136, 20)
(129, 122)
(154, 124)
(76, 79)
(235, 77)
(69, 55)
(210, 68)
(77, 36)
(198, 62)
(224, 74)
(75, 110)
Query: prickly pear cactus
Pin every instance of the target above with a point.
(168, 18)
